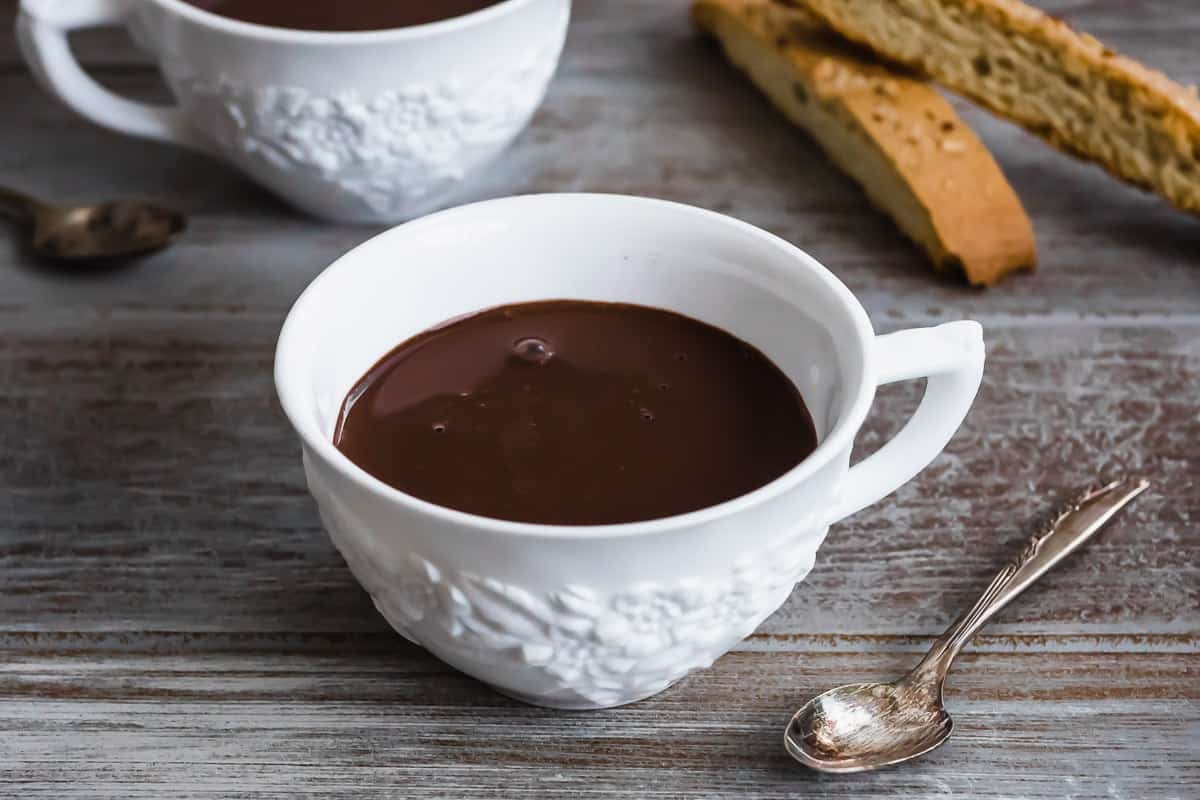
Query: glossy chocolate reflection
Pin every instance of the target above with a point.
(575, 413)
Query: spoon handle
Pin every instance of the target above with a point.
(17, 206)
(1082, 518)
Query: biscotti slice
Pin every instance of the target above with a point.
(1064, 86)
(891, 132)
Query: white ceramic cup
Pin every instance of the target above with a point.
(597, 616)
(374, 126)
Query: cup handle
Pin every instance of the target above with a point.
(42, 29)
(951, 357)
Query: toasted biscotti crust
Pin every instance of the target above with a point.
(1062, 85)
(892, 132)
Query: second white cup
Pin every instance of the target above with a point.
(375, 126)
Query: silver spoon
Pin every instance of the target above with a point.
(866, 726)
(105, 232)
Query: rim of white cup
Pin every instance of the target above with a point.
(299, 36)
(300, 415)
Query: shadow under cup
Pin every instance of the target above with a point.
(588, 616)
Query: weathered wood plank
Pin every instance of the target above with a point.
(400, 722)
(384, 668)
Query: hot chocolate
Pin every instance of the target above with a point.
(575, 413)
(342, 15)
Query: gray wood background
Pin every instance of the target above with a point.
(174, 623)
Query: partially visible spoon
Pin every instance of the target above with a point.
(866, 726)
(105, 232)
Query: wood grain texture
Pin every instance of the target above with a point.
(173, 622)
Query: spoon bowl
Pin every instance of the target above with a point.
(95, 233)
(108, 231)
(865, 726)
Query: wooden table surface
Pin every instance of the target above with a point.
(174, 622)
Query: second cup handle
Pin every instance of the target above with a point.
(951, 357)
(42, 29)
